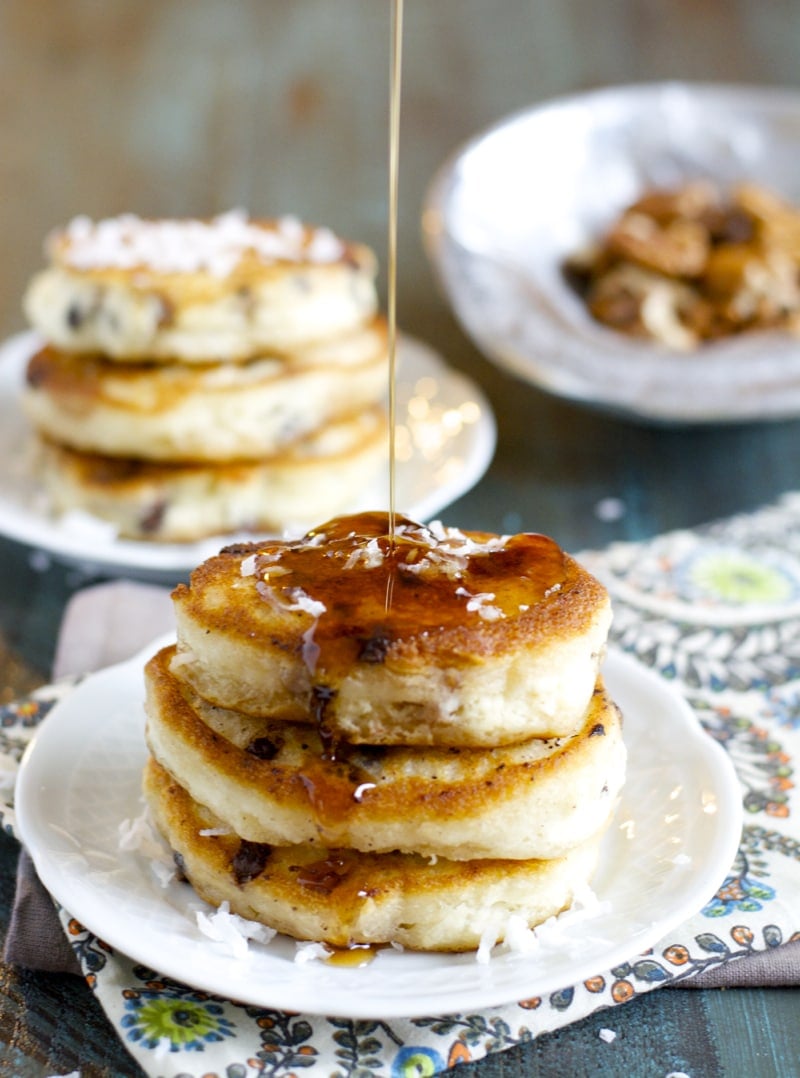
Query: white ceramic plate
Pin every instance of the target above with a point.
(505, 211)
(446, 438)
(671, 844)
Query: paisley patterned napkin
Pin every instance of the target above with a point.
(715, 611)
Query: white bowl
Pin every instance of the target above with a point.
(505, 211)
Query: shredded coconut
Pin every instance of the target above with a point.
(481, 604)
(301, 600)
(139, 836)
(370, 556)
(310, 952)
(164, 872)
(298, 599)
(248, 566)
(489, 938)
(232, 931)
(192, 246)
(517, 937)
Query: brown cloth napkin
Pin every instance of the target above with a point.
(110, 622)
(102, 625)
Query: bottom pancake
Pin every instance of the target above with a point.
(341, 897)
(323, 474)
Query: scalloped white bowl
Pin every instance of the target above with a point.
(506, 209)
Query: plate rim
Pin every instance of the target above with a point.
(718, 772)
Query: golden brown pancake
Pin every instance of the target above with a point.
(274, 782)
(228, 288)
(343, 898)
(215, 413)
(432, 636)
(183, 502)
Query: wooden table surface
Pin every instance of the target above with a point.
(190, 107)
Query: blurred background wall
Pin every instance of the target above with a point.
(191, 107)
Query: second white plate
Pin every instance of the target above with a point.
(670, 846)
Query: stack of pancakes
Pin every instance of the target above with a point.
(386, 734)
(204, 377)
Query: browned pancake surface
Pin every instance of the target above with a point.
(434, 637)
(272, 781)
(342, 897)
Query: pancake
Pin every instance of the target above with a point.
(272, 782)
(326, 472)
(343, 898)
(216, 413)
(432, 636)
(229, 288)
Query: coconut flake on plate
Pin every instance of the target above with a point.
(233, 931)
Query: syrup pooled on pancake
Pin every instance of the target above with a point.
(377, 591)
(428, 635)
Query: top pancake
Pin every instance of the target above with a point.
(228, 288)
(430, 636)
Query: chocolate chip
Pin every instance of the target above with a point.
(153, 518)
(374, 648)
(263, 748)
(321, 696)
(250, 860)
(75, 316)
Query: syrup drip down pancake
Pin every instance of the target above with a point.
(431, 636)
(427, 753)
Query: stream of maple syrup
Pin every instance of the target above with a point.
(523, 571)
(395, 86)
(356, 954)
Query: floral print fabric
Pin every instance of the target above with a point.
(715, 611)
